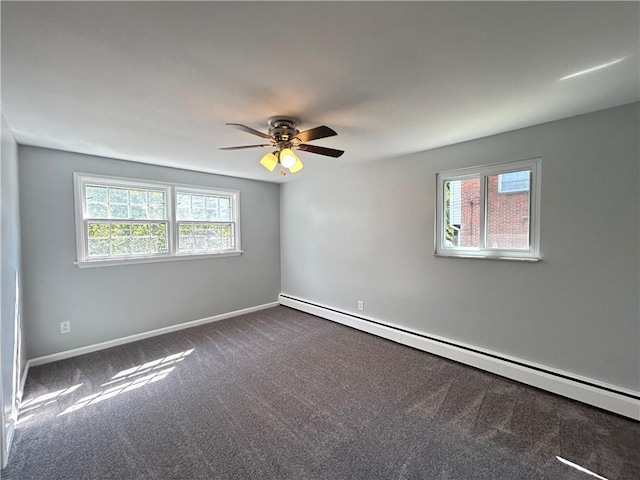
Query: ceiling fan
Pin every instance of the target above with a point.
(283, 138)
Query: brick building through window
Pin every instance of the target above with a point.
(507, 218)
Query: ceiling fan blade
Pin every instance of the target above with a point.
(249, 130)
(329, 152)
(242, 147)
(316, 133)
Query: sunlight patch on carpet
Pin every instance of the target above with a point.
(131, 379)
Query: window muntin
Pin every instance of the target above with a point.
(477, 217)
(124, 220)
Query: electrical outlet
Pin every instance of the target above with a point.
(360, 305)
(65, 327)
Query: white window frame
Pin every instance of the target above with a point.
(81, 180)
(532, 253)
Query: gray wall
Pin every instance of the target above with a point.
(105, 303)
(367, 233)
(10, 332)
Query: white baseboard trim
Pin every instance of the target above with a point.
(54, 357)
(593, 392)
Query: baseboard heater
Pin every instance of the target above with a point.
(609, 397)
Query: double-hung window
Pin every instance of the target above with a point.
(133, 221)
(205, 221)
(489, 211)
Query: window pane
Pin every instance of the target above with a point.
(96, 194)
(212, 203)
(225, 215)
(98, 230)
(97, 210)
(157, 245)
(121, 246)
(158, 242)
(97, 202)
(118, 211)
(156, 198)
(185, 229)
(184, 206)
(197, 213)
(200, 243)
(140, 245)
(197, 207)
(140, 230)
(157, 212)
(139, 196)
(513, 181)
(507, 215)
(139, 212)
(197, 201)
(120, 229)
(185, 244)
(118, 195)
(212, 215)
(98, 247)
(462, 213)
(158, 230)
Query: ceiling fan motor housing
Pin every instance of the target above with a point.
(283, 129)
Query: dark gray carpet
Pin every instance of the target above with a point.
(280, 394)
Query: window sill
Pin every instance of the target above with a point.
(168, 258)
(489, 257)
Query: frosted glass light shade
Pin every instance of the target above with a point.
(297, 166)
(288, 158)
(269, 161)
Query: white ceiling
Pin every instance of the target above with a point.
(156, 82)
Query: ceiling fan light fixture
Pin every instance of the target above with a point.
(287, 158)
(269, 161)
(297, 166)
